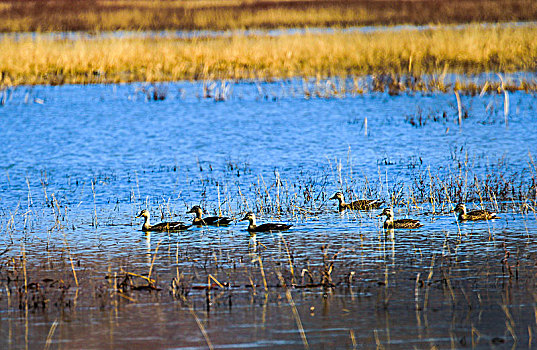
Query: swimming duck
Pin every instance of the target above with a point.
(401, 223)
(473, 215)
(361, 204)
(210, 220)
(265, 227)
(161, 227)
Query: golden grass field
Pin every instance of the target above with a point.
(99, 15)
(473, 49)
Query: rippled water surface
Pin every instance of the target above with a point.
(80, 162)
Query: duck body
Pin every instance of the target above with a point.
(403, 223)
(268, 227)
(210, 220)
(390, 223)
(361, 204)
(160, 227)
(474, 215)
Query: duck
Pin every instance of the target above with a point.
(160, 227)
(250, 216)
(210, 220)
(473, 215)
(401, 223)
(361, 204)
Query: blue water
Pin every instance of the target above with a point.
(101, 153)
(82, 132)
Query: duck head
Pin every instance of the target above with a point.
(388, 212)
(249, 216)
(338, 196)
(195, 210)
(460, 208)
(144, 213)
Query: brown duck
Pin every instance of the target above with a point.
(210, 220)
(361, 204)
(473, 215)
(160, 227)
(265, 227)
(401, 223)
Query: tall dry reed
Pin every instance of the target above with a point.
(473, 49)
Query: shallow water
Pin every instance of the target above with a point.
(79, 162)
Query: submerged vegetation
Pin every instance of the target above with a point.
(443, 272)
(106, 15)
(472, 49)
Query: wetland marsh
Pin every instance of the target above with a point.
(79, 162)
(235, 118)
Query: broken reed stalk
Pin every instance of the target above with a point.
(353, 339)
(43, 184)
(296, 315)
(506, 107)
(50, 334)
(219, 205)
(510, 323)
(94, 204)
(505, 101)
(262, 273)
(417, 291)
(70, 258)
(431, 193)
(177, 261)
(24, 268)
(459, 106)
(429, 277)
(30, 201)
(153, 260)
(291, 269)
(377, 340)
(211, 277)
(8, 294)
(202, 329)
(149, 280)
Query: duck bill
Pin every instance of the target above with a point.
(333, 197)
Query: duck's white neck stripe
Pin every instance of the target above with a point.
(146, 222)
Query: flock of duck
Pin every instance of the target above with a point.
(362, 204)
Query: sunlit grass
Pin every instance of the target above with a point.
(474, 49)
(69, 15)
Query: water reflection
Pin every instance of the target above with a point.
(148, 248)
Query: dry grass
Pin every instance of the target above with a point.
(474, 49)
(94, 15)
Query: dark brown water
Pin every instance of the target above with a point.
(79, 162)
